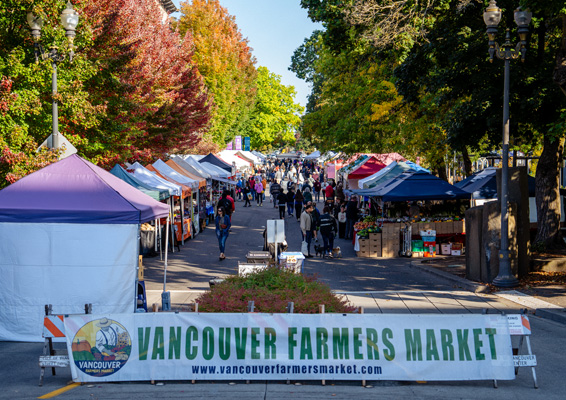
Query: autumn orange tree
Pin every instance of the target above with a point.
(225, 61)
(154, 96)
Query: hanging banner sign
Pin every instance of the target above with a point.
(247, 142)
(229, 146)
(238, 142)
(210, 346)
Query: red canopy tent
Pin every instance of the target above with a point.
(366, 169)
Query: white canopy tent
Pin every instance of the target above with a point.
(169, 172)
(313, 156)
(148, 177)
(215, 171)
(231, 158)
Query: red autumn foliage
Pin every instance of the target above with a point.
(155, 99)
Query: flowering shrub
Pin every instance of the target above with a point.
(271, 290)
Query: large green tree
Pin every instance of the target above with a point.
(442, 70)
(274, 118)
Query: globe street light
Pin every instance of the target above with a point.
(507, 51)
(69, 20)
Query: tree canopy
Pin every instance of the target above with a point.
(274, 118)
(225, 61)
(132, 91)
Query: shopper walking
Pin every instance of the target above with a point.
(299, 199)
(222, 230)
(274, 190)
(247, 195)
(317, 187)
(282, 201)
(290, 201)
(342, 222)
(306, 227)
(328, 231)
(259, 190)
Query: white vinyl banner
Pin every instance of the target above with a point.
(209, 346)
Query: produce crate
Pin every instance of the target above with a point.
(363, 253)
(417, 246)
(429, 249)
(375, 246)
(375, 236)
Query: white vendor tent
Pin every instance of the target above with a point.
(68, 237)
(232, 159)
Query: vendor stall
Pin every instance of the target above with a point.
(410, 186)
(181, 221)
(68, 236)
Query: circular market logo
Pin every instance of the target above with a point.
(101, 347)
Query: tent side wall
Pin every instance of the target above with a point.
(66, 265)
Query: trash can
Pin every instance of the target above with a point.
(293, 261)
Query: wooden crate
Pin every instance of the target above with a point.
(375, 246)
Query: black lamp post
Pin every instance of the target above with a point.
(507, 52)
(69, 20)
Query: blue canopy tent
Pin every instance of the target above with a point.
(393, 170)
(483, 184)
(212, 159)
(155, 193)
(413, 186)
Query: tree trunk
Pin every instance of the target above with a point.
(467, 161)
(548, 195)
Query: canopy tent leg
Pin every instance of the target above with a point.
(166, 296)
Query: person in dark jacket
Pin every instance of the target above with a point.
(351, 216)
(226, 203)
(328, 231)
(282, 201)
(274, 189)
(247, 192)
(290, 201)
(317, 188)
(299, 199)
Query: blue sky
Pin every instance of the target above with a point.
(274, 28)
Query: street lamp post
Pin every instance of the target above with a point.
(506, 52)
(69, 20)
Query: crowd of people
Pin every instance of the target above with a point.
(299, 191)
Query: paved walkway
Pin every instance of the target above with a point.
(377, 285)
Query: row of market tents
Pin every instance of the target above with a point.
(69, 233)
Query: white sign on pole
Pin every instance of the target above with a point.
(275, 231)
(256, 346)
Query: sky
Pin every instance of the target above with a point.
(274, 28)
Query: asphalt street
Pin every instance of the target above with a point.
(190, 270)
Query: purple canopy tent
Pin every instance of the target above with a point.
(68, 236)
(74, 190)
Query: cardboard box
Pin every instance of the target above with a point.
(456, 249)
(445, 249)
